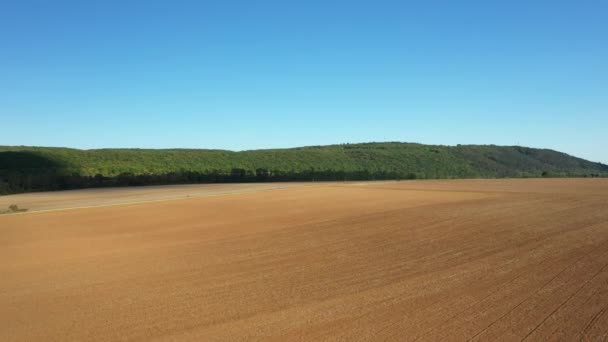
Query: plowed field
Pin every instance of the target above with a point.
(407, 261)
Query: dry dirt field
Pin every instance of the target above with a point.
(39, 201)
(407, 261)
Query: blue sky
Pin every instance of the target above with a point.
(258, 74)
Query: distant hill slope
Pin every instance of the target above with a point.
(47, 168)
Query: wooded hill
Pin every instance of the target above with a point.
(46, 168)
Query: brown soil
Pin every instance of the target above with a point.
(42, 201)
(412, 260)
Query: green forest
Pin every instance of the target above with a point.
(24, 169)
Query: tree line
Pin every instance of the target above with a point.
(24, 169)
(49, 180)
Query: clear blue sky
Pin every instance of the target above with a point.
(257, 74)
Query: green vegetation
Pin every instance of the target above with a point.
(45, 168)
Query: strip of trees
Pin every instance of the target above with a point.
(47, 180)
(24, 169)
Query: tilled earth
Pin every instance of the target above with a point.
(407, 261)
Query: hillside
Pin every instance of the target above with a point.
(45, 168)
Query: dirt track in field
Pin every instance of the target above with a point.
(409, 261)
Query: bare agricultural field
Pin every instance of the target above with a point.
(409, 261)
(58, 200)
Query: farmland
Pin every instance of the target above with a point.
(511, 259)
